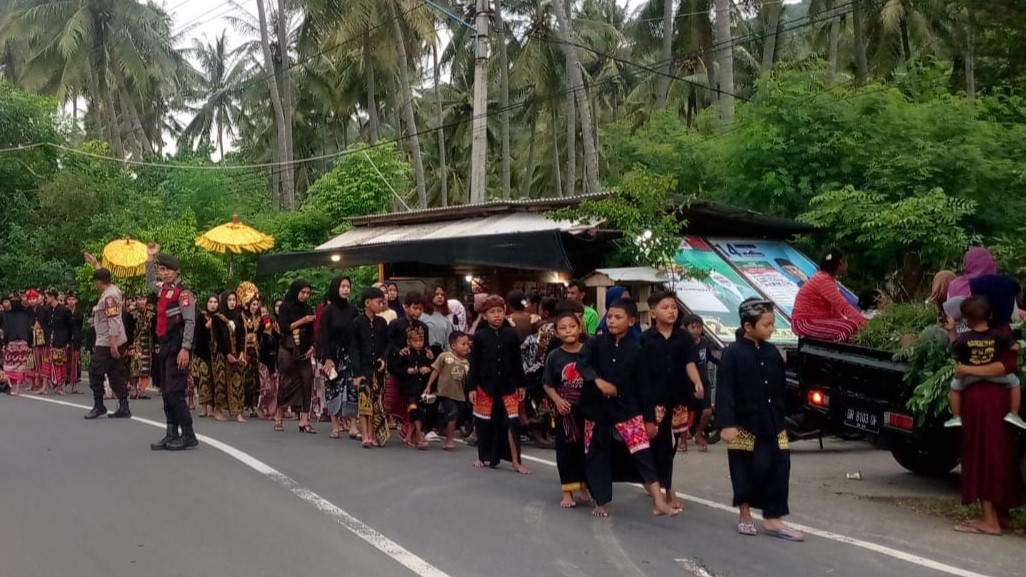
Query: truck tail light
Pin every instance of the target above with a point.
(899, 421)
(818, 398)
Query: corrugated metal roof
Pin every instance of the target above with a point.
(477, 210)
(500, 224)
(634, 274)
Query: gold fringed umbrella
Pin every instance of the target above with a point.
(125, 257)
(233, 238)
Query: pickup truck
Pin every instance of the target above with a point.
(849, 389)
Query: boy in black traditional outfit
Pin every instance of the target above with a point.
(614, 372)
(495, 387)
(750, 394)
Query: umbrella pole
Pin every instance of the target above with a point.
(231, 262)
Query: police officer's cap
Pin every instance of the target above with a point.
(102, 275)
(168, 261)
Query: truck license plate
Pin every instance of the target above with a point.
(862, 420)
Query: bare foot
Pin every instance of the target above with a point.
(586, 496)
(522, 470)
(568, 501)
(663, 508)
(479, 464)
(220, 417)
(240, 418)
(600, 511)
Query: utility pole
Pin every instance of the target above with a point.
(479, 143)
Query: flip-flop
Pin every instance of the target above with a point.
(787, 534)
(747, 528)
(572, 505)
(333, 435)
(967, 528)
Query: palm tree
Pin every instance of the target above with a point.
(220, 85)
(576, 86)
(119, 54)
(407, 94)
(725, 40)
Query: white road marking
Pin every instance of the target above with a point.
(875, 547)
(395, 551)
(694, 568)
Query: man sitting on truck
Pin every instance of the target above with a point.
(820, 310)
(979, 346)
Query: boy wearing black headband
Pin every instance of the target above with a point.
(750, 395)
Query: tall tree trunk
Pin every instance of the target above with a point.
(769, 49)
(286, 92)
(710, 73)
(725, 41)
(970, 56)
(275, 169)
(113, 125)
(583, 106)
(411, 119)
(503, 99)
(287, 191)
(135, 122)
(906, 43)
(525, 185)
(220, 139)
(665, 56)
(555, 155)
(835, 35)
(570, 186)
(859, 25)
(372, 97)
(440, 133)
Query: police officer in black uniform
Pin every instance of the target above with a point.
(176, 322)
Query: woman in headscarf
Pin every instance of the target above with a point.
(230, 336)
(333, 349)
(202, 356)
(296, 320)
(269, 338)
(820, 310)
(392, 297)
(612, 295)
(977, 262)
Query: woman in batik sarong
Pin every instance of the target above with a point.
(17, 332)
(230, 339)
(202, 356)
(333, 349)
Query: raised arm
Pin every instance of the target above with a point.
(152, 281)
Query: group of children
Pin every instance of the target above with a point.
(620, 400)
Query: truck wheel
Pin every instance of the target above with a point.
(925, 462)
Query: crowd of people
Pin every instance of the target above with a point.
(623, 400)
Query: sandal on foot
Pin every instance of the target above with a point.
(787, 534)
(747, 528)
(307, 429)
(968, 528)
(279, 426)
(334, 435)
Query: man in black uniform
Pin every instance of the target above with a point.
(176, 325)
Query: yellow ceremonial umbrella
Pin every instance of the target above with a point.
(125, 257)
(234, 237)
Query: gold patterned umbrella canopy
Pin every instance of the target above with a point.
(235, 237)
(125, 257)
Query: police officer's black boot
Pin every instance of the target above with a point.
(98, 409)
(122, 412)
(186, 441)
(170, 435)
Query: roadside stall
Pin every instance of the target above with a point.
(641, 282)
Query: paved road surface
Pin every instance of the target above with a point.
(89, 499)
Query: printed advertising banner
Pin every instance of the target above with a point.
(774, 267)
(717, 296)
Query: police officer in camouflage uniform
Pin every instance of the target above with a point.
(176, 325)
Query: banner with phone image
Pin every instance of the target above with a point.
(774, 267)
(717, 292)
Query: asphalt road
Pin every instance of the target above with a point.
(90, 499)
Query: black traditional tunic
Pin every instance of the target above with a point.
(563, 376)
(750, 396)
(295, 372)
(230, 338)
(615, 443)
(253, 326)
(333, 344)
(666, 388)
(199, 365)
(368, 346)
(496, 372)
